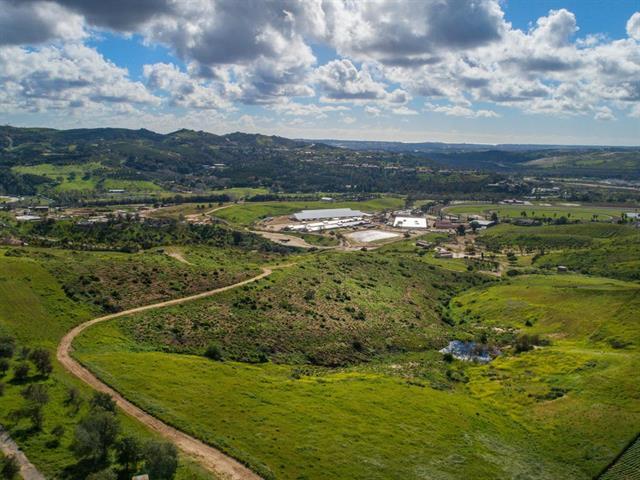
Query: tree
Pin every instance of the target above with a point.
(129, 453)
(74, 399)
(21, 372)
(7, 346)
(103, 401)
(494, 217)
(95, 434)
(161, 460)
(41, 358)
(37, 396)
(10, 468)
(460, 230)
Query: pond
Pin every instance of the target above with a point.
(470, 351)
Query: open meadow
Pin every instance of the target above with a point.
(290, 421)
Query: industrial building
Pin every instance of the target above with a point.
(327, 214)
(410, 222)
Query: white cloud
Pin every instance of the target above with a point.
(340, 80)
(604, 114)
(460, 52)
(460, 111)
(37, 22)
(633, 26)
(183, 90)
(69, 77)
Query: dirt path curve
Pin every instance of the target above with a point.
(11, 449)
(209, 457)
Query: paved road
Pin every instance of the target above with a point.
(209, 457)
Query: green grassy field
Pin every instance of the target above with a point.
(582, 212)
(627, 467)
(249, 213)
(35, 309)
(85, 177)
(592, 248)
(562, 411)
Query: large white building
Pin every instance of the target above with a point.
(327, 214)
(410, 222)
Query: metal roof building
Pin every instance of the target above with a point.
(325, 213)
(410, 222)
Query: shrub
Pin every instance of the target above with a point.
(10, 468)
(106, 474)
(4, 366)
(41, 358)
(103, 401)
(21, 372)
(213, 352)
(7, 346)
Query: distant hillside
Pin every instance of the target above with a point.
(579, 160)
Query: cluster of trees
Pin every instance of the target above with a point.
(102, 452)
(35, 395)
(106, 455)
(132, 234)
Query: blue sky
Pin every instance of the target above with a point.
(490, 71)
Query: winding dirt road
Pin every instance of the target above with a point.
(209, 457)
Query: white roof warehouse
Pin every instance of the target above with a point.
(325, 213)
(410, 222)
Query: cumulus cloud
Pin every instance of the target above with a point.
(340, 80)
(633, 26)
(37, 22)
(183, 90)
(460, 111)
(455, 53)
(407, 33)
(69, 77)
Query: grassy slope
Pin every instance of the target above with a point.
(249, 213)
(71, 178)
(600, 410)
(340, 425)
(363, 422)
(592, 248)
(583, 212)
(627, 467)
(35, 309)
(331, 309)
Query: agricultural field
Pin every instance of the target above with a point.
(521, 416)
(249, 213)
(537, 210)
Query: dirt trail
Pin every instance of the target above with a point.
(209, 457)
(177, 255)
(11, 449)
